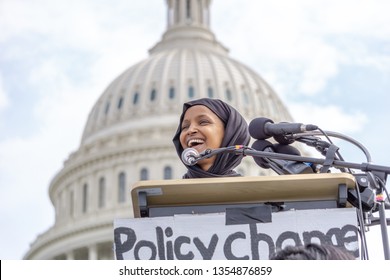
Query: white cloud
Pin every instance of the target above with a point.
(331, 117)
(4, 101)
(361, 18)
(80, 24)
(303, 44)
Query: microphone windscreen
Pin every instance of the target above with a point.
(257, 128)
(286, 149)
(261, 145)
(189, 156)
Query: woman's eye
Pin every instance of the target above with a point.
(203, 122)
(185, 125)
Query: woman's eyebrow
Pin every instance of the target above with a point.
(185, 122)
(197, 117)
(208, 116)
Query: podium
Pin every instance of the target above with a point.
(185, 196)
(234, 218)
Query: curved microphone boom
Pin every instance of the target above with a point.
(263, 128)
(190, 156)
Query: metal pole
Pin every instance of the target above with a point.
(385, 237)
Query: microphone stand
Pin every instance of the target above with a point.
(382, 217)
(365, 167)
(378, 181)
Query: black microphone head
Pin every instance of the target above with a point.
(189, 156)
(286, 149)
(257, 128)
(261, 145)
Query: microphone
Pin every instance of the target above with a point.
(290, 150)
(283, 166)
(190, 156)
(286, 149)
(263, 128)
(265, 146)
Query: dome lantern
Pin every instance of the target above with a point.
(188, 26)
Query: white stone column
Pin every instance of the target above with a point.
(92, 252)
(70, 255)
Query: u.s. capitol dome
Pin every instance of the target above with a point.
(128, 134)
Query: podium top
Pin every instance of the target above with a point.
(238, 190)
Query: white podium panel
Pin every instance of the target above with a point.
(207, 237)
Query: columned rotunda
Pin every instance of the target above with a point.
(128, 134)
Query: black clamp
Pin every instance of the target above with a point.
(342, 197)
(329, 158)
(143, 204)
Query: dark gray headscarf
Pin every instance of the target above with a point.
(236, 133)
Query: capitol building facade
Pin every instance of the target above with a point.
(128, 134)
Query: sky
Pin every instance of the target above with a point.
(329, 61)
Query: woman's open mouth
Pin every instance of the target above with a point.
(196, 143)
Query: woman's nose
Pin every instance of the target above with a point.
(192, 129)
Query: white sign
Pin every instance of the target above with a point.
(187, 237)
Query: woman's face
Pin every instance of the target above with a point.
(201, 129)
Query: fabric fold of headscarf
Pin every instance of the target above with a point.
(236, 133)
